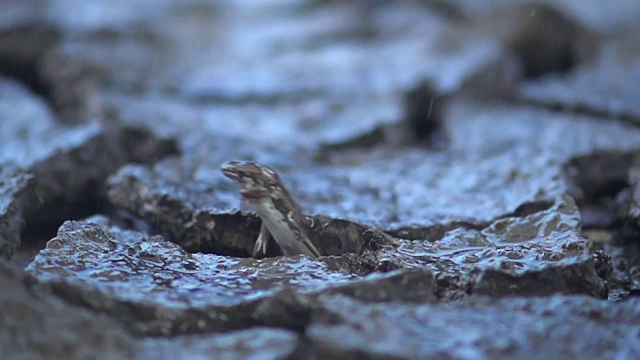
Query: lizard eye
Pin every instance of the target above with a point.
(269, 172)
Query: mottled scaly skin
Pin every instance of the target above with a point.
(281, 217)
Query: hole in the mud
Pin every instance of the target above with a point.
(536, 65)
(26, 72)
(43, 225)
(600, 186)
(232, 235)
(423, 111)
(235, 235)
(604, 196)
(21, 51)
(431, 233)
(530, 208)
(544, 38)
(623, 269)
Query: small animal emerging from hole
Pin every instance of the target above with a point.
(281, 217)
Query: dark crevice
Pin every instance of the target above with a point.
(420, 125)
(29, 55)
(545, 39)
(22, 51)
(235, 234)
(530, 208)
(42, 224)
(599, 183)
(622, 269)
(222, 234)
(45, 222)
(25, 71)
(431, 233)
(603, 191)
(69, 187)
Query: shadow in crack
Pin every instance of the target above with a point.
(603, 188)
(69, 183)
(600, 184)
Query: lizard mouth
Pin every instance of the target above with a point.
(254, 194)
(230, 174)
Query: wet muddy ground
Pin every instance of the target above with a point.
(468, 170)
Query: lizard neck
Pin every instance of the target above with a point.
(284, 204)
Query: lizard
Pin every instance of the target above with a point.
(281, 216)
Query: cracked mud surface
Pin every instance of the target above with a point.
(472, 199)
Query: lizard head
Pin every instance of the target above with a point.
(257, 182)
